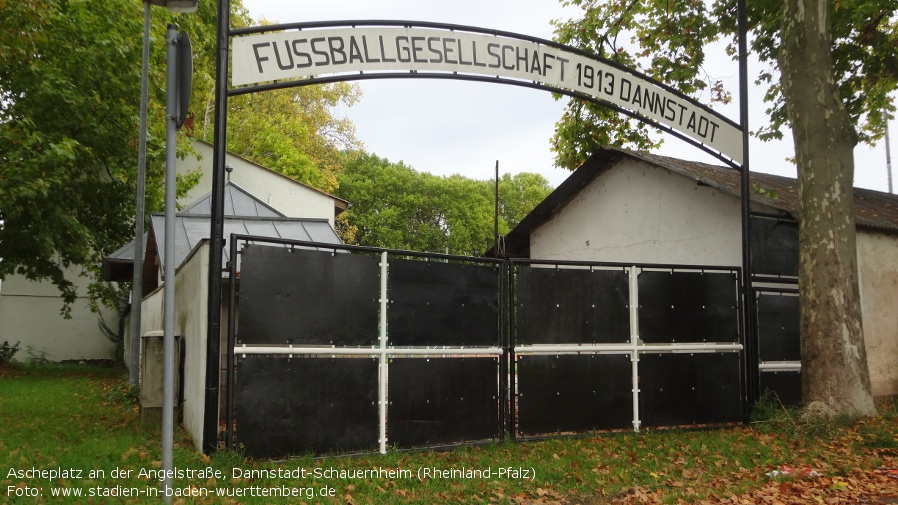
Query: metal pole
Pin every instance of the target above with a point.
(232, 339)
(504, 345)
(216, 241)
(496, 214)
(137, 277)
(168, 324)
(748, 314)
(384, 362)
(888, 157)
(633, 346)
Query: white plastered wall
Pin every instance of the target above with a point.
(639, 213)
(191, 304)
(878, 269)
(30, 314)
(284, 194)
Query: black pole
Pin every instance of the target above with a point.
(213, 337)
(503, 359)
(510, 341)
(232, 338)
(750, 337)
(496, 214)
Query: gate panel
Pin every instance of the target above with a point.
(296, 296)
(572, 306)
(299, 405)
(779, 345)
(443, 304)
(574, 393)
(778, 328)
(443, 400)
(774, 246)
(684, 389)
(688, 307)
(786, 385)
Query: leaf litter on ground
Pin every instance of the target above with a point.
(777, 461)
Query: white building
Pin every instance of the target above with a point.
(623, 206)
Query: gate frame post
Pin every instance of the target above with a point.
(232, 341)
(634, 342)
(383, 373)
(505, 370)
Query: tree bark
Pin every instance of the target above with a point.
(834, 359)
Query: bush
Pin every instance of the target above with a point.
(7, 351)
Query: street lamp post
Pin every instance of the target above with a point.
(137, 277)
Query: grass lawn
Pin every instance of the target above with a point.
(75, 429)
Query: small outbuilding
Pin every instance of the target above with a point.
(626, 206)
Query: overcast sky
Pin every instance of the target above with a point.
(447, 127)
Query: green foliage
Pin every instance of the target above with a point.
(69, 113)
(124, 393)
(65, 130)
(69, 109)
(395, 206)
(770, 416)
(36, 356)
(117, 335)
(669, 41)
(294, 131)
(7, 351)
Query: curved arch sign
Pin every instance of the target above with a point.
(293, 55)
(287, 55)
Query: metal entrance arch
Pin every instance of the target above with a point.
(299, 54)
(334, 51)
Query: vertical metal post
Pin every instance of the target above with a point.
(496, 214)
(634, 342)
(168, 324)
(384, 376)
(888, 157)
(140, 208)
(504, 297)
(232, 340)
(512, 367)
(747, 314)
(216, 242)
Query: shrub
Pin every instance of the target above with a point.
(7, 351)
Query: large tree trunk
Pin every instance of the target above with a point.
(834, 359)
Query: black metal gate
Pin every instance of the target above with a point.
(354, 349)
(774, 280)
(327, 361)
(602, 347)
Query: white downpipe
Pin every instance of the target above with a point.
(382, 395)
(634, 343)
